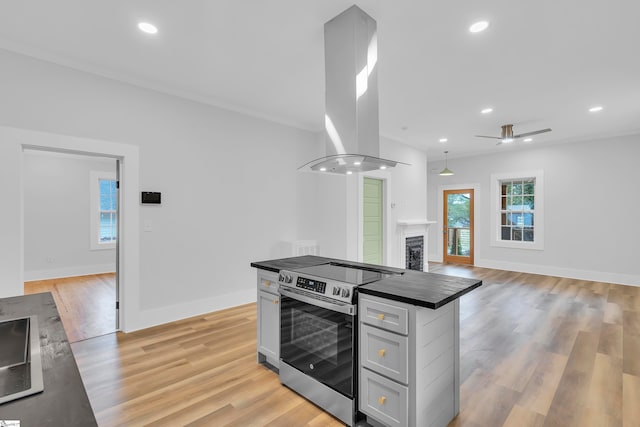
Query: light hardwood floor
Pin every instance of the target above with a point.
(86, 303)
(535, 351)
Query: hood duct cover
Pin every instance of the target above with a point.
(351, 96)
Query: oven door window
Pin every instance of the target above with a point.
(318, 342)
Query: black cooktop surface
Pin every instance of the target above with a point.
(343, 273)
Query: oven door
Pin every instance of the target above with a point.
(317, 340)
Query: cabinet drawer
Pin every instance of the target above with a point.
(268, 281)
(390, 317)
(384, 352)
(383, 399)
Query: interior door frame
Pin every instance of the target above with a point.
(129, 227)
(441, 219)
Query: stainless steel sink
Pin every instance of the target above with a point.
(20, 360)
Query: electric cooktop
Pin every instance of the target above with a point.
(343, 273)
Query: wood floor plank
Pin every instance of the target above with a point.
(630, 400)
(523, 417)
(631, 342)
(535, 350)
(605, 389)
(571, 394)
(539, 392)
(610, 342)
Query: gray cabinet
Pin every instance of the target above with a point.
(409, 363)
(268, 320)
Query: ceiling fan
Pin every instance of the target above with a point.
(507, 134)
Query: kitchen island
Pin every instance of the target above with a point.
(407, 346)
(64, 401)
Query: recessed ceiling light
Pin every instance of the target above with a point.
(479, 26)
(323, 169)
(486, 110)
(595, 109)
(357, 163)
(443, 140)
(148, 28)
(383, 167)
(528, 139)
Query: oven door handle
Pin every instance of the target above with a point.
(337, 307)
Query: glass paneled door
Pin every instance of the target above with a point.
(458, 228)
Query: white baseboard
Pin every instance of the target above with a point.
(572, 273)
(154, 317)
(549, 270)
(57, 273)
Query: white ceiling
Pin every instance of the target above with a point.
(540, 64)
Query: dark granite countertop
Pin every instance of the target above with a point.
(413, 287)
(64, 401)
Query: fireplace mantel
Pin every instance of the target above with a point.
(410, 222)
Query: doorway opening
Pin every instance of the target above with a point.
(372, 221)
(458, 226)
(70, 211)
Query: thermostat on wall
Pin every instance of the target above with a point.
(150, 198)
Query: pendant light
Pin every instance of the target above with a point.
(446, 171)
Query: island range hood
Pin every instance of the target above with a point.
(351, 96)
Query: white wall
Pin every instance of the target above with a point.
(231, 192)
(228, 181)
(57, 216)
(591, 206)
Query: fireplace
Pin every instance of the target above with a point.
(413, 244)
(414, 253)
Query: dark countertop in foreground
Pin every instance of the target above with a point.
(64, 401)
(413, 287)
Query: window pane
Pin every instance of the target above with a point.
(506, 188)
(503, 219)
(108, 227)
(516, 203)
(528, 202)
(459, 208)
(503, 203)
(529, 188)
(506, 233)
(516, 234)
(108, 199)
(527, 235)
(516, 189)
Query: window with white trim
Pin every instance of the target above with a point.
(103, 211)
(518, 210)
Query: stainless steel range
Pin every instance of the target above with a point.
(318, 334)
